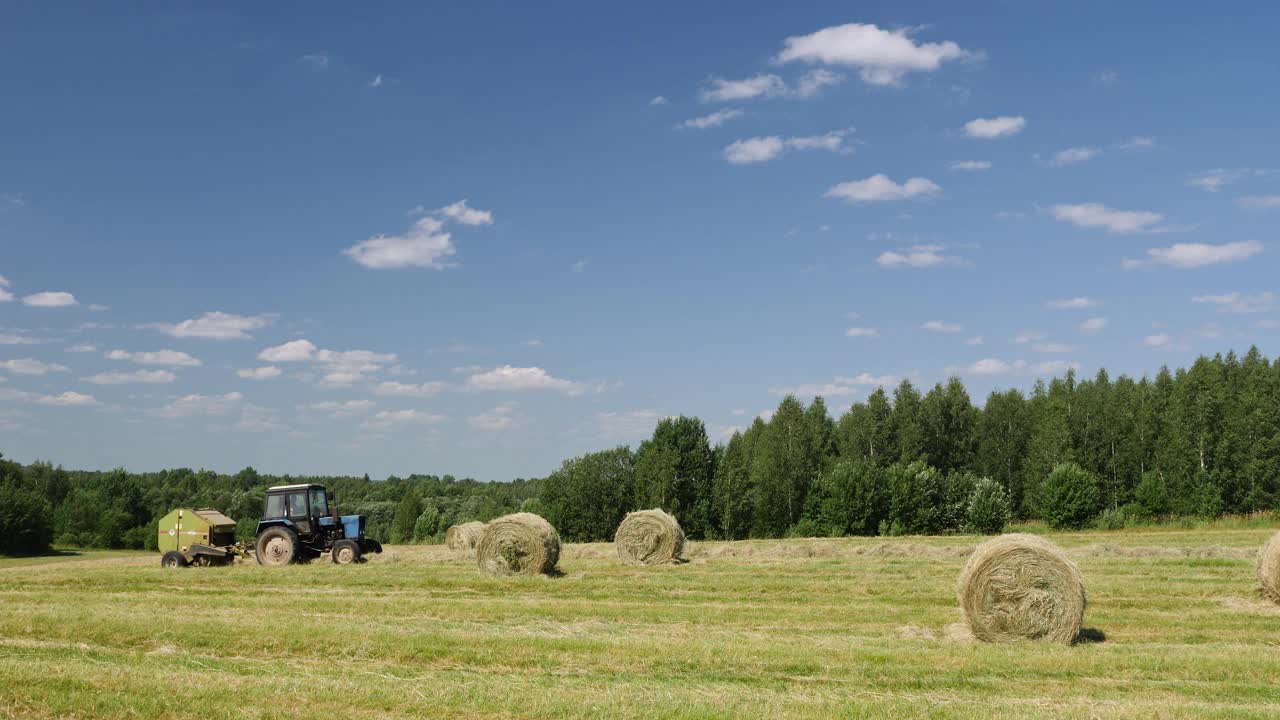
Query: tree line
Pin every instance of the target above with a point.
(1200, 441)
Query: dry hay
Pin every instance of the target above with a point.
(1269, 569)
(464, 537)
(518, 544)
(1021, 587)
(649, 537)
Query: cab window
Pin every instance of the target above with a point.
(275, 507)
(297, 504)
(319, 506)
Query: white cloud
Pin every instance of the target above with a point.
(19, 338)
(460, 213)
(1194, 255)
(338, 410)
(763, 149)
(67, 399)
(516, 379)
(97, 307)
(627, 424)
(390, 418)
(862, 332)
(424, 245)
(1139, 142)
(1093, 325)
(190, 405)
(216, 326)
(317, 60)
(1108, 77)
(5, 295)
(292, 351)
(1075, 303)
(987, 366)
(1054, 367)
(882, 57)
(1218, 178)
(1240, 303)
(532, 343)
(423, 390)
(715, 119)
(578, 266)
(918, 256)
(30, 366)
(129, 378)
(1073, 156)
(971, 165)
(1157, 341)
(501, 417)
(1259, 202)
(173, 358)
(825, 390)
(996, 127)
(942, 327)
(82, 348)
(812, 82)
(1097, 215)
(879, 188)
(658, 100)
(266, 372)
(868, 380)
(1053, 347)
(1029, 336)
(50, 299)
(974, 341)
(721, 90)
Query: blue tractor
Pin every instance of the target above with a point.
(301, 523)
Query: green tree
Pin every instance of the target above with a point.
(948, 423)
(589, 495)
(733, 493)
(1069, 497)
(988, 510)
(427, 525)
(908, 433)
(673, 471)
(407, 513)
(852, 498)
(1004, 430)
(24, 522)
(781, 470)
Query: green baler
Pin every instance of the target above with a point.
(198, 537)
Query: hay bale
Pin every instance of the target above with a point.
(1021, 587)
(1269, 569)
(649, 537)
(464, 537)
(518, 544)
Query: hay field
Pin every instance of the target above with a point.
(856, 628)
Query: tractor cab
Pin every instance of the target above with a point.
(301, 522)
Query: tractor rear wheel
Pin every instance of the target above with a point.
(173, 559)
(346, 552)
(277, 546)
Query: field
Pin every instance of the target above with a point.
(857, 628)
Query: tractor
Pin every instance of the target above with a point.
(301, 523)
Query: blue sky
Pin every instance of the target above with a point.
(481, 238)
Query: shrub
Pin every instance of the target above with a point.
(1152, 494)
(988, 509)
(427, 525)
(24, 522)
(807, 528)
(1069, 497)
(851, 498)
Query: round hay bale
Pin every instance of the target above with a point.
(649, 537)
(518, 544)
(465, 536)
(1021, 587)
(1269, 569)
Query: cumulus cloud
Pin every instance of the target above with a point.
(424, 245)
(50, 299)
(5, 295)
(292, 351)
(763, 149)
(658, 100)
(879, 188)
(1053, 347)
(266, 372)
(419, 390)
(1193, 255)
(1055, 367)
(918, 256)
(1074, 156)
(341, 368)
(996, 127)
(1097, 215)
(1029, 336)
(82, 348)
(392, 418)
(501, 417)
(31, 366)
(172, 358)
(971, 165)
(987, 366)
(974, 341)
(881, 57)
(627, 424)
(519, 379)
(130, 378)
(339, 410)
(722, 90)
(66, 399)
(812, 82)
(1159, 340)
(942, 327)
(715, 119)
(1218, 178)
(20, 338)
(1139, 142)
(1075, 303)
(1240, 303)
(1259, 202)
(216, 326)
(460, 213)
(1093, 326)
(192, 405)
(862, 332)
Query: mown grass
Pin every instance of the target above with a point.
(857, 628)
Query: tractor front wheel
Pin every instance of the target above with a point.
(173, 559)
(277, 546)
(346, 552)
